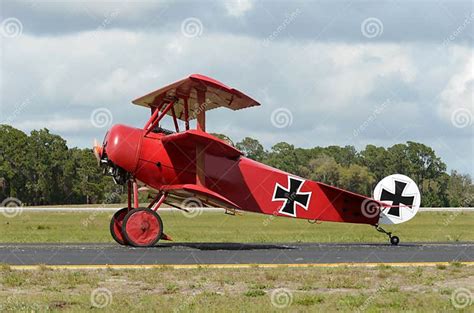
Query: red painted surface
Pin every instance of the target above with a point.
(135, 195)
(117, 224)
(168, 163)
(142, 228)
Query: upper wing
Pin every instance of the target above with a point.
(214, 93)
(210, 144)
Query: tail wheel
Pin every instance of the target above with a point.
(116, 226)
(394, 240)
(142, 228)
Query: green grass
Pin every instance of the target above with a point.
(235, 290)
(346, 289)
(219, 227)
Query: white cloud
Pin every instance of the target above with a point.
(330, 88)
(459, 92)
(57, 125)
(238, 8)
(115, 66)
(95, 9)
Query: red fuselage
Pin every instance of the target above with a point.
(251, 185)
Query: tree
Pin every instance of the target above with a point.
(460, 190)
(415, 160)
(14, 164)
(435, 191)
(283, 157)
(343, 155)
(251, 148)
(88, 179)
(425, 163)
(47, 153)
(325, 169)
(357, 179)
(398, 161)
(376, 159)
(224, 138)
(41, 169)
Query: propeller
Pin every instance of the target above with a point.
(97, 148)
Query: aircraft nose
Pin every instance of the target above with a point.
(122, 145)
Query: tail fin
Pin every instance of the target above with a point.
(403, 196)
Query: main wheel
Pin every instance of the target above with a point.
(394, 240)
(116, 226)
(142, 228)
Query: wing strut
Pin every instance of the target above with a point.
(156, 117)
(201, 125)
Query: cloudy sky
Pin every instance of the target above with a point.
(325, 72)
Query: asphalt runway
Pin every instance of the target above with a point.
(233, 253)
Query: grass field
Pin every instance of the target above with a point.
(380, 289)
(283, 289)
(220, 227)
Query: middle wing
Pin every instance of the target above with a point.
(210, 144)
(177, 195)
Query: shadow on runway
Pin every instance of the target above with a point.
(224, 246)
(235, 246)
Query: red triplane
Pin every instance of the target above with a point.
(192, 164)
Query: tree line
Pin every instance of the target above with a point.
(39, 169)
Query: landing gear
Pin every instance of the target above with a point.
(116, 226)
(139, 227)
(394, 240)
(142, 227)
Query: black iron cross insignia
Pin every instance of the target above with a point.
(397, 198)
(291, 196)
